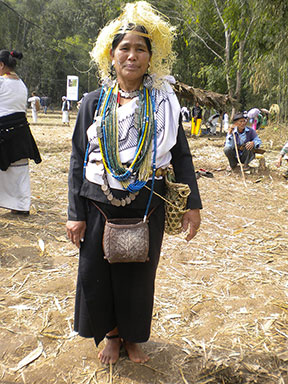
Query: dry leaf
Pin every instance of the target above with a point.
(172, 316)
(238, 231)
(41, 246)
(29, 358)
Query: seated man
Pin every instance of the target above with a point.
(283, 155)
(247, 141)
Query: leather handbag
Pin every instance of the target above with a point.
(125, 240)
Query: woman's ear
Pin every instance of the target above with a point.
(111, 54)
(2, 65)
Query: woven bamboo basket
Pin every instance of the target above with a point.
(175, 203)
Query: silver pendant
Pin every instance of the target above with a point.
(128, 200)
(116, 202)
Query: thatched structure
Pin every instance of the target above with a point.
(205, 98)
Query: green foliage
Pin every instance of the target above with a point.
(56, 37)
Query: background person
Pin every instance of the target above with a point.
(246, 140)
(212, 123)
(17, 144)
(283, 155)
(116, 300)
(35, 105)
(259, 121)
(225, 122)
(185, 114)
(44, 101)
(65, 110)
(196, 120)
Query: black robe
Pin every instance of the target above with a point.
(110, 295)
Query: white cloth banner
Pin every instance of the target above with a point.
(72, 87)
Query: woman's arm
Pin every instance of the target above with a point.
(184, 169)
(76, 224)
(185, 173)
(76, 207)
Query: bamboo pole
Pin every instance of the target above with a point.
(238, 158)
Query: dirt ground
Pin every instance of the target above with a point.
(220, 313)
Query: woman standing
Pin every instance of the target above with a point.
(226, 122)
(17, 144)
(35, 105)
(131, 123)
(65, 110)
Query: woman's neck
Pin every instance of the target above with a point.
(5, 70)
(11, 75)
(129, 86)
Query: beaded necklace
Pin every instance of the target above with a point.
(107, 134)
(9, 74)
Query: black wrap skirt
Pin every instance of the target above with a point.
(16, 140)
(110, 295)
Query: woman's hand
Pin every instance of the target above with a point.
(76, 231)
(249, 145)
(191, 220)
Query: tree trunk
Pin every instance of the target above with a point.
(227, 60)
(239, 71)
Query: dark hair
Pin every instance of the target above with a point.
(132, 27)
(9, 58)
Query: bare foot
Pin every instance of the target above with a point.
(135, 353)
(110, 353)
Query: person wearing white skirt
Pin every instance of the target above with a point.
(15, 187)
(17, 144)
(65, 110)
(35, 105)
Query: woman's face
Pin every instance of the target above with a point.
(131, 58)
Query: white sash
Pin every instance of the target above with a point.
(167, 111)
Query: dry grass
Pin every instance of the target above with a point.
(220, 313)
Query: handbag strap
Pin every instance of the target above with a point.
(106, 218)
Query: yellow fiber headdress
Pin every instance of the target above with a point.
(159, 30)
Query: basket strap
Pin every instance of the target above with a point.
(166, 201)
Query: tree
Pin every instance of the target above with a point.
(226, 46)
